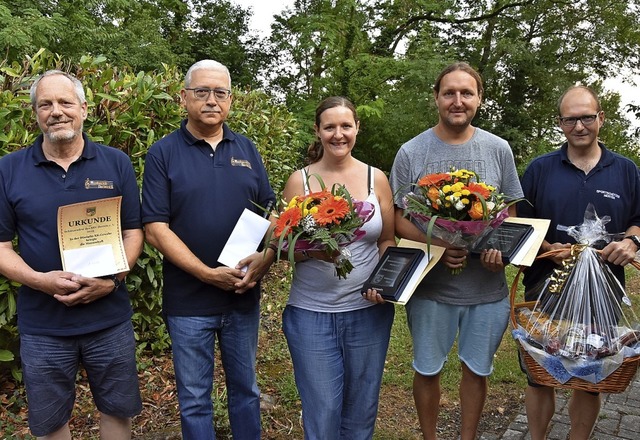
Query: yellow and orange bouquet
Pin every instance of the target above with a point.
(326, 220)
(456, 207)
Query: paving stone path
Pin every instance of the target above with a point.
(619, 418)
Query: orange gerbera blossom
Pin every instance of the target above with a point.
(331, 211)
(434, 179)
(476, 211)
(480, 189)
(433, 194)
(319, 196)
(290, 218)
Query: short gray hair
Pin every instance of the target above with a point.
(206, 64)
(76, 84)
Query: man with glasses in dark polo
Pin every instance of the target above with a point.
(197, 182)
(559, 186)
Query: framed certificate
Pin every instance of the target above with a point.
(90, 238)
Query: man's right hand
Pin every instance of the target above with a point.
(223, 277)
(454, 258)
(58, 282)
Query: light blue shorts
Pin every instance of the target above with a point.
(434, 327)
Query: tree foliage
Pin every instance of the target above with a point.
(527, 51)
(383, 55)
(142, 34)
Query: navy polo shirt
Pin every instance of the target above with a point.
(561, 192)
(31, 190)
(201, 194)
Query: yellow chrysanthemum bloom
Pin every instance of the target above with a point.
(488, 187)
(306, 211)
(293, 202)
(305, 204)
(459, 186)
(463, 174)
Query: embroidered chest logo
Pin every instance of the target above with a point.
(240, 163)
(98, 184)
(608, 194)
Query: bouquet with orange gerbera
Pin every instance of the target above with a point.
(326, 220)
(456, 207)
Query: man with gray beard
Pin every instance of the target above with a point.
(65, 318)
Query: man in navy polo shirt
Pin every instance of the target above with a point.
(65, 318)
(559, 185)
(197, 182)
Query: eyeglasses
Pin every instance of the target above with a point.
(573, 120)
(203, 94)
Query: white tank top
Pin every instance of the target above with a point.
(316, 286)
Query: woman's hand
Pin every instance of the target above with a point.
(373, 296)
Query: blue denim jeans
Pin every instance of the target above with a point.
(193, 343)
(338, 359)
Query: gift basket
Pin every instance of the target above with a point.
(581, 332)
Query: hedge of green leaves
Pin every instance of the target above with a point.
(131, 111)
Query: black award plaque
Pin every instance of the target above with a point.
(508, 238)
(393, 271)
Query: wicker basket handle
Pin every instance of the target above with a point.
(516, 279)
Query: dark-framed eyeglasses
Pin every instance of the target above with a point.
(571, 121)
(202, 93)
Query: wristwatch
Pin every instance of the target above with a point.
(635, 239)
(116, 281)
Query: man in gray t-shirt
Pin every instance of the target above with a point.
(473, 304)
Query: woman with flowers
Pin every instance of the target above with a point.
(338, 340)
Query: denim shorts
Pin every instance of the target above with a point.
(50, 366)
(434, 327)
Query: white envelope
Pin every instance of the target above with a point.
(244, 239)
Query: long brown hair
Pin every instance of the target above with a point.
(315, 151)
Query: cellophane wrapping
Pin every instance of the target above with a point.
(582, 324)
